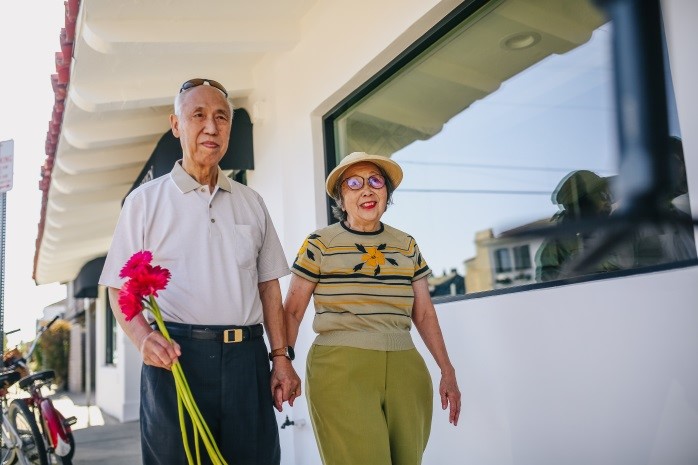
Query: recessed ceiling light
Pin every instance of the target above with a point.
(520, 40)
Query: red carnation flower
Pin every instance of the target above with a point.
(130, 300)
(136, 264)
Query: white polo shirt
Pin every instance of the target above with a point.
(217, 246)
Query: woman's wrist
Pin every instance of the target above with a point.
(448, 371)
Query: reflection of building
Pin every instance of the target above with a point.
(504, 260)
(451, 283)
(477, 269)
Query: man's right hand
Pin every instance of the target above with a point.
(285, 382)
(158, 352)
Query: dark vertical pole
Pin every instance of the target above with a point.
(641, 105)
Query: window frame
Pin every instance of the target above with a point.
(443, 27)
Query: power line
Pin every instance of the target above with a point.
(496, 167)
(474, 191)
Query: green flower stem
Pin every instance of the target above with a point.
(185, 397)
(197, 418)
(181, 403)
(187, 391)
(183, 429)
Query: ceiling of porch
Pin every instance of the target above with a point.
(120, 65)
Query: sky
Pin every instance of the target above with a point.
(29, 39)
(496, 164)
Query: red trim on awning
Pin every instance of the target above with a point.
(59, 83)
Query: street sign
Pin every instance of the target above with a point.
(7, 155)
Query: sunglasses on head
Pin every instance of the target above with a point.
(354, 183)
(200, 82)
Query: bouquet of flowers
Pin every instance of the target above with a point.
(138, 294)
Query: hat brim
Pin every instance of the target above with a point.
(391, 169)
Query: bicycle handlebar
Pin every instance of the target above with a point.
(41, 331)
(49, 324)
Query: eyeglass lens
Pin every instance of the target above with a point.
(357, 182)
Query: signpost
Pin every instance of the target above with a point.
(7, 154)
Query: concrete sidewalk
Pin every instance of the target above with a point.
(99, 438)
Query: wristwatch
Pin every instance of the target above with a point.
(287, 352)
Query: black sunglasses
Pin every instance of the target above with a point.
(200, 82)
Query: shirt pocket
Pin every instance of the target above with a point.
(246, 247)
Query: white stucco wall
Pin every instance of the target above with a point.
(117, 387)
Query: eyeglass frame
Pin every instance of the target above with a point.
(196, 82)
(364, 180)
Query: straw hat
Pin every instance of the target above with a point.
(391, 168)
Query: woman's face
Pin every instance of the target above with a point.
(366, 205)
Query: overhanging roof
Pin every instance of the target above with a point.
(118, 69)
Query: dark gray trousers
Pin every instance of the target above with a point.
(231, 386)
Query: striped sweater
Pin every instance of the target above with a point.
(363, 297)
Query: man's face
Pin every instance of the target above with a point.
(203, 127)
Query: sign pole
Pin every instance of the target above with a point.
(7, 151)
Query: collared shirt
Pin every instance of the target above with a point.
(217, 246)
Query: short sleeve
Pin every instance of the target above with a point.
(128, 239)
(271, 261)
(308, 260)
(421, 269)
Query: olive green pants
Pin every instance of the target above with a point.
(369, 407)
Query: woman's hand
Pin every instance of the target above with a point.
(450, 395)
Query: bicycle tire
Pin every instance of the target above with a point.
(8, 456)
(24, 422)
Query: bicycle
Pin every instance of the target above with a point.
(55, 430)
(20, 441)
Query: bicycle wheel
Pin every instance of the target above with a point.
(23, 420)
(8, 453)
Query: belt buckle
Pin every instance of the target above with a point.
(237, 335)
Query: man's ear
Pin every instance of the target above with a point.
(174, 124)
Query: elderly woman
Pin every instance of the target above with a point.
(368, 388)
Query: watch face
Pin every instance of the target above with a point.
(291, 353)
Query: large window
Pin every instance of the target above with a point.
(505, 122)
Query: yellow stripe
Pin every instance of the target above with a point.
(373, 285)
(347, 248)
(384, 271)
(329, 302)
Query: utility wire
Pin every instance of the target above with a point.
(474, 191)
(496, 167)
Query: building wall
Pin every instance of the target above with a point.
(117, 386)
(75, 359)
(602, 372)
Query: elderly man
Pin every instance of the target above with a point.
(218, 241)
